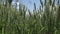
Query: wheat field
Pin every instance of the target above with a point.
(42, 21)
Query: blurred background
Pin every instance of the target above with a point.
(29, 16)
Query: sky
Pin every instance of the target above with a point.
(28, 3)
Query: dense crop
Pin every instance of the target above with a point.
(42, 21)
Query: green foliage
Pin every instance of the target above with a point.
(13, 21)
